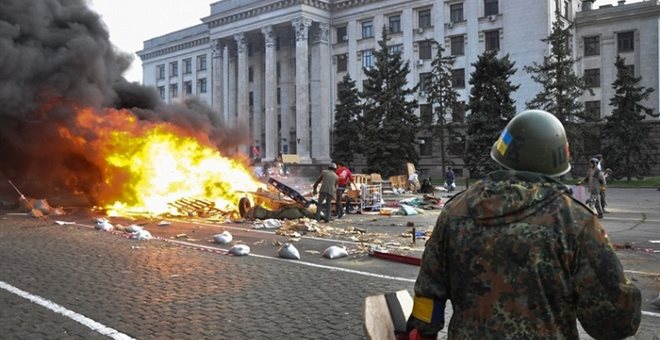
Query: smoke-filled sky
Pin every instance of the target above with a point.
(56, 58)
(131, 22)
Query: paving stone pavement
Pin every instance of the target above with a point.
(157, 290)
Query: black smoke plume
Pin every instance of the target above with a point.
(54, 55)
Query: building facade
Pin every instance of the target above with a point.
(272, 66)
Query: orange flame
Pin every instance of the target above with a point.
(145, 166)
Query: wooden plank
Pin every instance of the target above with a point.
(377, 321)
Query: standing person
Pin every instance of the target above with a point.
(518, 257)
(595, 180)
(328, 181)
(603, 186)
(413, 182)
(449, 180)
(344, 179)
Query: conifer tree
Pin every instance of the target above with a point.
(389, 123)
(346, 133)
(628, 146)
(562, 89)
(491, 107)
(442, 96)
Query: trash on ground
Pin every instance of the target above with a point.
(163, 223)
(268, 224)
(223, 238)
(141, 235)
(239, 250)
(64, 222)
(656, 301)
(334, 252)
(183, 235)
(134, 228)
(312, 252)
(288, 251)
(103, 224)
(408, 210)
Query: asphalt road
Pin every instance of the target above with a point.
(71, 281)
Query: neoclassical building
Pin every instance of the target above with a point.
(272, 66)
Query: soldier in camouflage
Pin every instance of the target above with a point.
(518, 257)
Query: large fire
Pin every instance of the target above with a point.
(144, 166)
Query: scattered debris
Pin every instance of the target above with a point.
(103, 224)
(334, 252)
(656, 302)
(268, 224)
(288, 251)
(240, 250)
(183, 235)
(164, 223)
(312, 252)
(223, 238)
(196, 207)
(64, 222)
(133, 228)
(141, 235)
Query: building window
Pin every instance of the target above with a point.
(342, 35)
(425, 51)
(425, 82)
(201, 62)
(625, 41)
(395, 23)
(557, 7)
(279, 96)
(251, 99)
(396, 49)
(491, 7)
(492, 39)
(425, 146)
(278, 70)
(458, 45)
(174, 69)
(591, 46)
(566, 9)
(426, 114)
(250, 49)
(592, 108)
(367, 59)
(160, 70)
(458, 112)
(458, 78)
(174, 90)
(201, 85)
(424, 18)
(456, 12)
(187, 88)
(250, 74)
(342, 63)
(592, 77)
(187, 66)
(161, 92)
(367, 29)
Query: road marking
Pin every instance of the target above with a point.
(81, 319)
(657, 315)
(641, 273)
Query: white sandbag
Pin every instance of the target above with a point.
(134, 228)
(141, 235)
(103, 224)
(239, 250)
(223, 238)
(288, 251)
(408, 210)
(334, 252)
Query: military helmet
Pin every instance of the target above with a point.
(533, 140)
(332, 166)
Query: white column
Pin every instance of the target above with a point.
(320, 74)
(257, 99)
(286, 99)
(242, 109)
(270, 89)
(301, 27)
(217, 96)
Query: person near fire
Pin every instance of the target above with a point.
(344, 179)
(519, 257)
(328, 181)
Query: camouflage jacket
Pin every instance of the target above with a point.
(520, 259)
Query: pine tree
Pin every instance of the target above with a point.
(346, 134)
(389, 123)
(562, 88)
(491, 107)
(443, 96)
(628, 147)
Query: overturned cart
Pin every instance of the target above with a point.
(284, 197)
